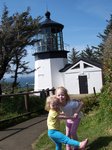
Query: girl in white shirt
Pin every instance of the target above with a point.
(69, 108)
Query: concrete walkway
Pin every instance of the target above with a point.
(21, 136)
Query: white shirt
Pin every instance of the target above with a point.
(70, 108)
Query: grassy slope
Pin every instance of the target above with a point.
(99, 134)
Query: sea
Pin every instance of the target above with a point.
(23, 80)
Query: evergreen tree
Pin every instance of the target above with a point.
(100, 48)
(89, 54)
(107, 59)
(16, 32)
(105, 99)
(19, 66)
(73, 56)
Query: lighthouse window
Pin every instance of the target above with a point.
(60, 41)
(47, 30)
(50, 39)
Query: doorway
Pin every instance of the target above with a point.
(83, 85)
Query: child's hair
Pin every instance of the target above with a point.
(64, 90)
(48, 100)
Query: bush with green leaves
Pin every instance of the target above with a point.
(105, 103)
(16, 105)
(90, 102)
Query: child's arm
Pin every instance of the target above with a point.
(63, 116)
(78, 109)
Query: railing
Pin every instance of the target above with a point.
(41, 94)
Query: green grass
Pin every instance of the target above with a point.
(98, 133)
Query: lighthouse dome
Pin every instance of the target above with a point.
(50, 23)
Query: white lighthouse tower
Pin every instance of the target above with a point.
(50, 55)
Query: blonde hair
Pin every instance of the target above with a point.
(48, 100)
(64, 90)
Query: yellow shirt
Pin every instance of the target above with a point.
(53, 121)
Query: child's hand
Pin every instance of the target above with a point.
(75, 115)
(62, 113)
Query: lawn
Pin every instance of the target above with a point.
(98, 132)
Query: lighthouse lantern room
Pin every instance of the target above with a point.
(50, 55)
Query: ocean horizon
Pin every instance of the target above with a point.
(24, 81)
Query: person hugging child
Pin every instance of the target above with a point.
(53, 124)
(72, 109)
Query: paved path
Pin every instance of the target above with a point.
(21, 136)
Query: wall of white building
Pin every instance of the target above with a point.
(42, 75)
(95, 81)
(94, 78)
(56, 65)
(71, 83)
(47, 74)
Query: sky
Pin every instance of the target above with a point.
(83, 20)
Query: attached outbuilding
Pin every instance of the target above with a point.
(83, 77)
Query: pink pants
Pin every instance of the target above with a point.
(71, 130)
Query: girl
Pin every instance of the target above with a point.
(53, 123)
(70, 108)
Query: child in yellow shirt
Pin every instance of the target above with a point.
(53, 123)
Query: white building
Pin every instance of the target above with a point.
(52, 68)
(82, 77)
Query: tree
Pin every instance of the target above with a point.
(100, 48)
(73, 56)
(19, 66)
(16, 32)
(105, 99)
(98, 54)
(107, 59)
(88, 53)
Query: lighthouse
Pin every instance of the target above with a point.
(52, 68)
(50, 56)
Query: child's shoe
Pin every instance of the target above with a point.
(83, 144)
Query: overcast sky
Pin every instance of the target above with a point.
(82, 19)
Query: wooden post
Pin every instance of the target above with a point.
(94, 91)
(43, 94)
(26, 96)
(0, 93)
(53, 90)
(47, 92)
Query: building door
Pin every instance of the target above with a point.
(83, 85)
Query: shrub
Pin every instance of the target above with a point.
(16, 105)
(90, 102)
(105, 101)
